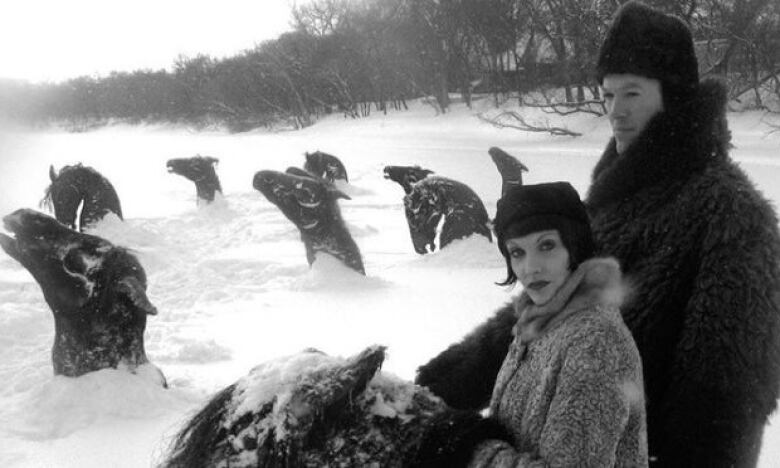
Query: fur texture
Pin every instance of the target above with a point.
(463, 375)
(96, 291)
(701, 247)
(312, 205)
(199, 169)
(451, 437)
(647, 42)
(77, 184)
(309, 410)
(434, 198)
(570, 388)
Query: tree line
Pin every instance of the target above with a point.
(359, 56)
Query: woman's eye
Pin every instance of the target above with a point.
(516, 253)
(547, 245)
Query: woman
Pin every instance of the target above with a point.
(570, 390)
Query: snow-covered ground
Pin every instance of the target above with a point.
(231, 280)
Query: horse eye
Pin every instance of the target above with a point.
(306, 197)
(304, 194)
(74, 262)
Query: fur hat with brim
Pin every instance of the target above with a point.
(646, 42)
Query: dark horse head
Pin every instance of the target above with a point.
(199, 169)
(312, 205)
(324, 415)
(509, 167)
(325, 165)
(406, 175)
(79, 184)
(96, 291)
(435, 198)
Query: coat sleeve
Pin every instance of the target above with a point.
(726, 370)
(599, 386)
(463, 375)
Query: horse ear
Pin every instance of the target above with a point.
(52, 173)
(134, 290)
(212, 160)
(336, 193)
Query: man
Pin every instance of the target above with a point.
(698, 242)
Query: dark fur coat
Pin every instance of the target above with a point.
(700, 246)
(464, 374)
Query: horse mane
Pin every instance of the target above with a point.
(207, 428)
(46, 202)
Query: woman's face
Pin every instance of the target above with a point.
(540, 262)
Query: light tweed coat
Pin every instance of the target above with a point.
(570, 389)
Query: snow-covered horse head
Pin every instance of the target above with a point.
(309, 409)
(325, 165)
(435, 198)
(79, 184)
(405, 176)
(311, 204)
(96, 291)
(200, 170)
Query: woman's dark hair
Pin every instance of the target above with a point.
(575, 235)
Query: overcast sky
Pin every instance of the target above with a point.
(52, 40)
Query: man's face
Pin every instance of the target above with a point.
(631, 101)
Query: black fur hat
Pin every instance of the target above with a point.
(530, 208)
(646, 42)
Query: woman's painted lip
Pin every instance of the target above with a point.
(537, 285)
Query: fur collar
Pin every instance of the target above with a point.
(675, 145)
(597, 281)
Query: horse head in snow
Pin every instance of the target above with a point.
(79, 184)
(325, 165)
(309, 409)
(96, 291)
(312, 205)
(509, 167)
(200, 170)
(405, 176)
(435, 198)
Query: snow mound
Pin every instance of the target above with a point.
(65, 405)
(473, 251)
(329, 273)
(197, 352)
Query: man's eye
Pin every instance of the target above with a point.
(609, 96)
